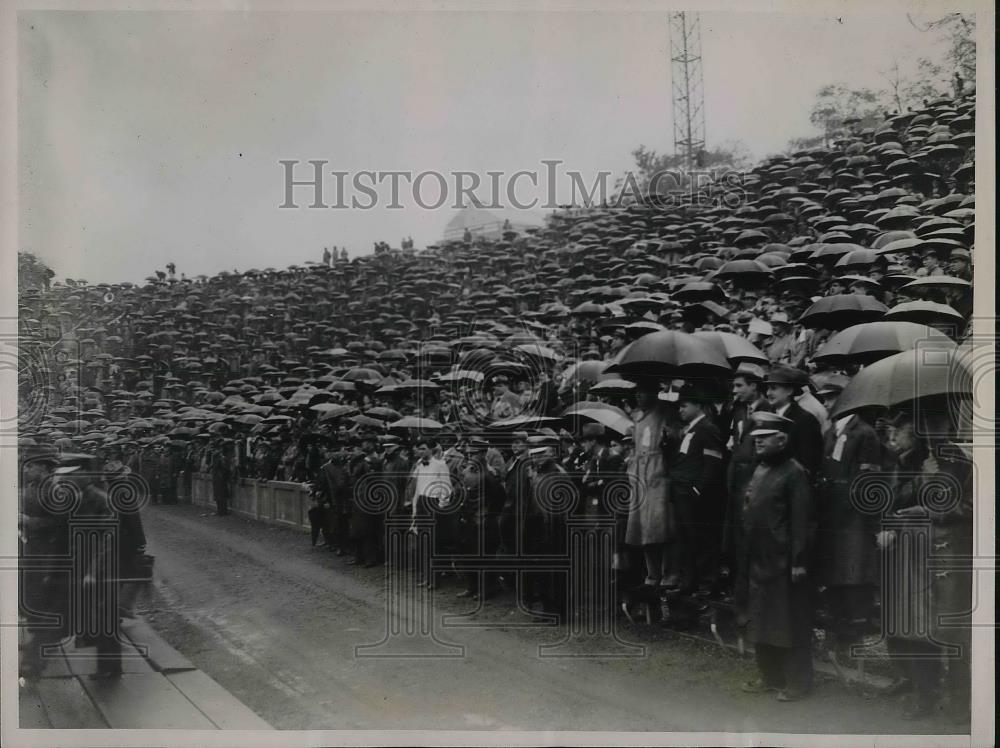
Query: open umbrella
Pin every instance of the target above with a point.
(670, 354)
(417, 385)
(524, 422)
(735, 348)
(611, 417)
(331, 411)
(613, 388)
(903, 378)
(584, 371)
(924, 313)
(417, 423)
(384, 414)
(362, 374)
(539, 351)
(935, 283)
(699, 291)
(748, 270)
(841, 311)
(871, 341)
(367, 422)
(461, 375)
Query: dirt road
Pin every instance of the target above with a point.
(276, 623)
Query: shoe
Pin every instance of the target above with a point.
(466, 593)
(422, 583)
(627, 612)
(791, 694)
(757, 685)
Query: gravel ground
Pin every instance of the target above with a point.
(276, 622)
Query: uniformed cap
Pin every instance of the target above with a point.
(477, 443)
(787, 375)
(501, 379)
(779, 318)
(960, 253)
(521, 435)
(390, 441)
(593, 431)
(766, 423)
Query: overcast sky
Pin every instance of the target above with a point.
(149, 137)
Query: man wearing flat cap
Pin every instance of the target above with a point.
(695, 477)
(782, 385)
(772, 589)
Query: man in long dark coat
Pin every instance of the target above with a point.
(772, 594)
(743, 458)
(695, 473)
(847, 556)
(545, 528)
(334, 491)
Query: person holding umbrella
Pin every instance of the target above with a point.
(772, 594)
(924, 638)
(847, 564)
(695, 477)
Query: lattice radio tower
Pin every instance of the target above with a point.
(688, 87)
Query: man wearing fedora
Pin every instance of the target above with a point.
(783, 385)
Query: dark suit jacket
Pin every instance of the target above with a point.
(696, 465)
(805, 438)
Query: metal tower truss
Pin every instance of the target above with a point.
(688, 87)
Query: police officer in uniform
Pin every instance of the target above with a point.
(772, 592)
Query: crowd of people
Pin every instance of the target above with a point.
(698, 365)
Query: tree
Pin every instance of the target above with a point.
(836, 104)
(948, 73)
(32, 273)
(665, 171)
